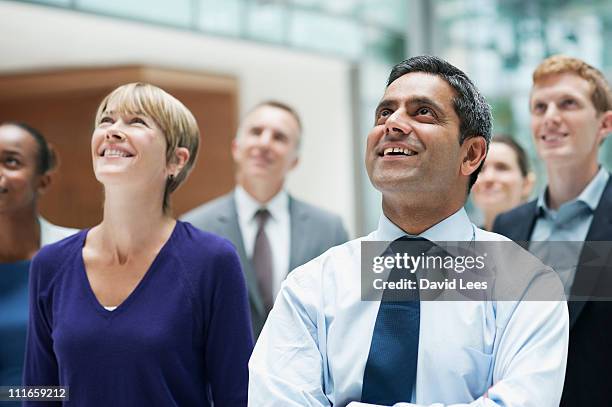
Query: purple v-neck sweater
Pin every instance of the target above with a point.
(181, 338)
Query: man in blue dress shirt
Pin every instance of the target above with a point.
(323, 345)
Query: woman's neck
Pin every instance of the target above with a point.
(132, 224)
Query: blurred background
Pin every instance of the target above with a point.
(329, 59)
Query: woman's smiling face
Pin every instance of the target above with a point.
(128, 146)
(501, 185)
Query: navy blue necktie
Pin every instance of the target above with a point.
(390, 370)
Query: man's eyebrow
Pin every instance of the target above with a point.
(416, 100)
(424, 100)
(384, 104)
(569, 95)
(419, 100)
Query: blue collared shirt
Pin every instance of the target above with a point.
(570, 224)
(314, 346)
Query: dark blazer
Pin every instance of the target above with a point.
(313, 231)
(588, 378)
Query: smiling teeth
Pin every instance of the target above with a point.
(115, 153)
(551, 137)
(395, 150)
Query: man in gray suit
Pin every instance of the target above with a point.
(272, 231)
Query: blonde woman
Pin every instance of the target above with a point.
(140, 310)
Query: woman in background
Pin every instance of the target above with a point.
(140, 310)
(504, 181)
(26, 164)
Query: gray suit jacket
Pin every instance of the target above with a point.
(313, 231)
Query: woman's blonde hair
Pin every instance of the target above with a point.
(177, 123)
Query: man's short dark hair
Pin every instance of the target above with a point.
(473, 110)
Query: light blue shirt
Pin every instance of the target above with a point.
(315, 344)
(569, 224)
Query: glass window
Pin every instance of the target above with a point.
(344, 7)
(65, 3)
(225, 17)
(385, 46)
(390, 14)
(176, 12)
(326, 33)
(267, 21)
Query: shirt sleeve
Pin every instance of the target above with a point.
(341, 234)
(229, 334)
(530, 361)
(532, 356)
(40, 365)
(287, 366)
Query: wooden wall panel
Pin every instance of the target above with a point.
(64, 114)
(213, 174)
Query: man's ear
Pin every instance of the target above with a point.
(181, 156)
(296, 161)
(474, 151)
(605, 127)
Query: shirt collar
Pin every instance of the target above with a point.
(456, 227)
(246, 205)
(591, 195)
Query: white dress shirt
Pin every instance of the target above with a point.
(278, 230)
(50, 233)
(315, 344)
